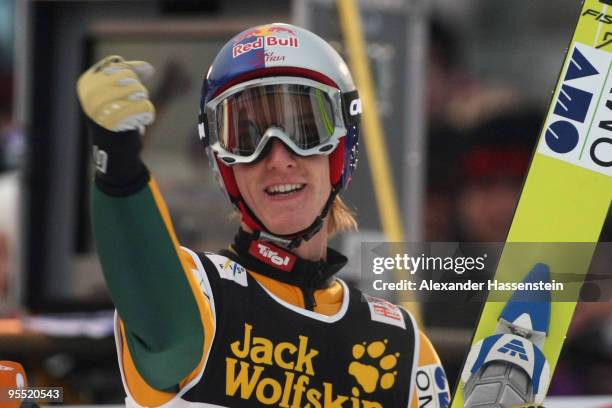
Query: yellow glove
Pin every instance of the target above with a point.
(112, 95)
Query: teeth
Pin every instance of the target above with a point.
(284, 188)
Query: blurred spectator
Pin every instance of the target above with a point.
(486, 182)
(491, 170)
(585, 364)
(455, 97)
(7, 33)
(456, 102)
(11, 151)
(444, 83)
(444, 79)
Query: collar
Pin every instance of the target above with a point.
(280, 264)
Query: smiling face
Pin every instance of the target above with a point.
(285, 191)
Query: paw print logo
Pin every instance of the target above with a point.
(372, 368)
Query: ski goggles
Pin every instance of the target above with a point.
(305, 115)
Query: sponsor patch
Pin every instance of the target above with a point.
(229, 269)
(272, 255)
(385, 312)
(268, 372)
(432, 387)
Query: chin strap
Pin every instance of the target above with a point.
(289, 241)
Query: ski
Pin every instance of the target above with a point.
(565, 199)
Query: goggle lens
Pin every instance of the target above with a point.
(303, 113)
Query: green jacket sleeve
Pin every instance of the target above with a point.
(148, 285)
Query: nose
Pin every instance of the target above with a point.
(280, 157)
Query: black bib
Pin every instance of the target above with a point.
(267, 352)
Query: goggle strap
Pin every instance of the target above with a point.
(203, 129)
(351, 108)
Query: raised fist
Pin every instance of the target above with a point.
(113, 96)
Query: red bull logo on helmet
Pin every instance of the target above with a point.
(260, 42)
(266, 36)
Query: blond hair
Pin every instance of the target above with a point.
(341, 218)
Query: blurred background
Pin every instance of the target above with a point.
(462, 90)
